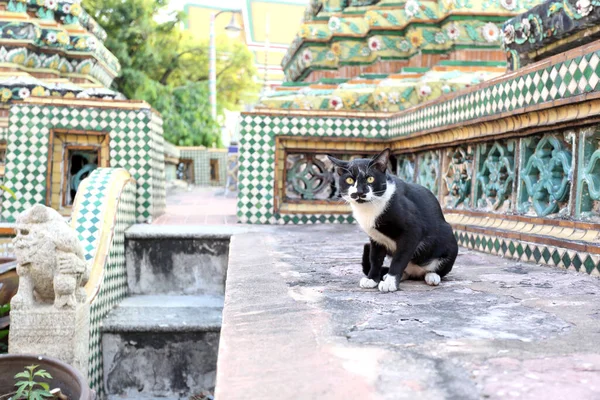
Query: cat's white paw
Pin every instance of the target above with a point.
(432, 279)
(367, 283)
(389, 284)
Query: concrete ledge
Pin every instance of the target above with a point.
(156, 313)
(143, 231)
(297, 326)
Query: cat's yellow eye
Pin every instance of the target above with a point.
(370, 179)
(349, 181)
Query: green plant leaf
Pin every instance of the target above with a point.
(40, 394)
(43, 374)
(44, 386)
(19, 393)
(3, 333)
(23, 375)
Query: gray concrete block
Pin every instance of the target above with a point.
(161, 346)
(188, 265)
(159, 364)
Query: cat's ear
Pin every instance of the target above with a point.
(380, 161)
(342, 166)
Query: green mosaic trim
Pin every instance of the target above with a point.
(530, 252)
(136, 145)
(573, 77)
(93, 213)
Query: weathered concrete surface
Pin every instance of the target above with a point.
(161, 346)
(177, 260)
(297, 326)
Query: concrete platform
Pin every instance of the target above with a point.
(297, 326)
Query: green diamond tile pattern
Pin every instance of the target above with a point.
(136, 144)
(93, 211)
(257, 159)
(565, 79)
(531, 252)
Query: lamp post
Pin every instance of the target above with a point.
(232, 30)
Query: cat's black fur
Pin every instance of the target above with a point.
(412, 218)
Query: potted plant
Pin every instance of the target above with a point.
(38, 376)
(9, 282)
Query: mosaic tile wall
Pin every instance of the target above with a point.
(556, 79)
(543, 169)
(107, 195)
(201, 157)
(136, 144)
(256, 173)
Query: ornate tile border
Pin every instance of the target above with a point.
(105, 207)
(136, 144)
(559, 78)
(530, 252)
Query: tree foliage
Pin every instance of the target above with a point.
(165, 66)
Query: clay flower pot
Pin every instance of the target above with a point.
(68, 379)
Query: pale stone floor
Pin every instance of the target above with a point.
(199, 206)
(297, 326)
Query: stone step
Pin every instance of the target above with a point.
(161, 346)
(175, 260)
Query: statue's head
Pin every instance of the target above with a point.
(40, 232)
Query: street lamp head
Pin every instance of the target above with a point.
(232, 29)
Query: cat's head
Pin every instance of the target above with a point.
(362, 180)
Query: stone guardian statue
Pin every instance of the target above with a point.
(50, 312)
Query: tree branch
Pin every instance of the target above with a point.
(173, 65)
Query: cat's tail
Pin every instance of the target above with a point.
(366, 262)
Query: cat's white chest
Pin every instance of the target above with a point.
(366, 215)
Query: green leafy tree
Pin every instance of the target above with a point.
(168, 68)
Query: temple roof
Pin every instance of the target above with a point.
(392, 55)
(54, 45)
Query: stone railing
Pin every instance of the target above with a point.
(514, 161)
(105, 206)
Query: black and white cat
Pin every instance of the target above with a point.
(403, 220)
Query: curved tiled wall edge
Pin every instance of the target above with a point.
(104, 208)
(100, 217)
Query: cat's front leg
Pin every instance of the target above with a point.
(376, 257)
(400, 260)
